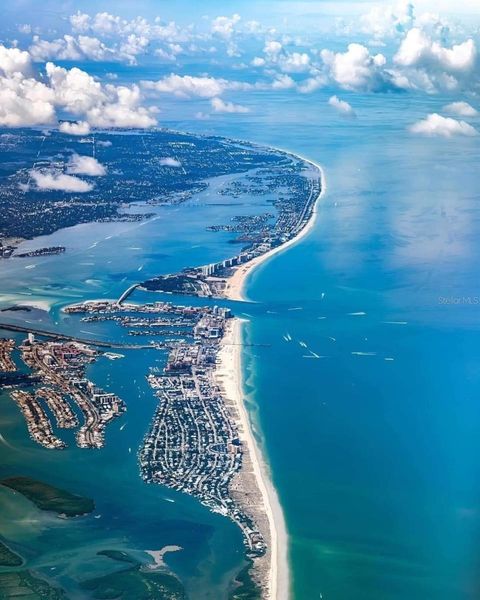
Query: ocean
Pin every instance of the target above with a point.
(370, 425)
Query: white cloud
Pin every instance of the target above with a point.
(430, 66)
(59, 182)
(295, 62)
(133, 46)
(70, 48)
(74, 127)
(258, 61)
(225, 26)
(272, 48)
(436, 125)
(25, 28)
(168, 161)
(122, 110)
(356, 69)
(85, 165)
(220, 106)
(387, 21)
(25, 102)
(187, 86)
(106, 23)
(128, 38)
(13, 60)
(28, 99)
(75, 90)
(341, 106)
(102, 106)
(80, 21)
(282, 82)
(461, 109)
(419, 50)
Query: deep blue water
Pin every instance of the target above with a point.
(377, 461)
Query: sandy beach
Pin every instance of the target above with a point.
(234, 289)
(27, 302)
(271, 571)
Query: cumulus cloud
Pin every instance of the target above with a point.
(225, 26)
(356, 69)
(258, 61)
(187, 86)
(103, 106)
(461, 109)
(168, 161)
(108, 25)
(282, 82)
(73, 48)
(341, 106)
(296, 62)
(388, 20)
(80, 21)
(25, 102)
(436, 125)
(124, 40)
(272, 48)
(311, 84)
(14, 61)
(428, 65)
(85, 165)
(29, 99)
(47, 181)
(74, 127)
(220, 106)
(419, 50)
(288, 62)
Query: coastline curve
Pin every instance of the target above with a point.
(235, 289)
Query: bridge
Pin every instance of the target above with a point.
(127, 293)
(71, 338)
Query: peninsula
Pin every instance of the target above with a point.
(200, 441)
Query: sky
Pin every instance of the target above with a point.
(115, 64)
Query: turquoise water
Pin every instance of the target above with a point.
(102, 260)
(376, 461)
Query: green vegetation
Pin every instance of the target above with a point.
(133, 583)
(118, 555)
(8, 558)
(22, 585)
(244, 588)
(48, 497)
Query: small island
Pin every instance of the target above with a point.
(8, 558)
(133, 582)
(49, 498)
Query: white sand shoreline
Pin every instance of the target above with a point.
(230, 373)
(27, 302)
(235, 289)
